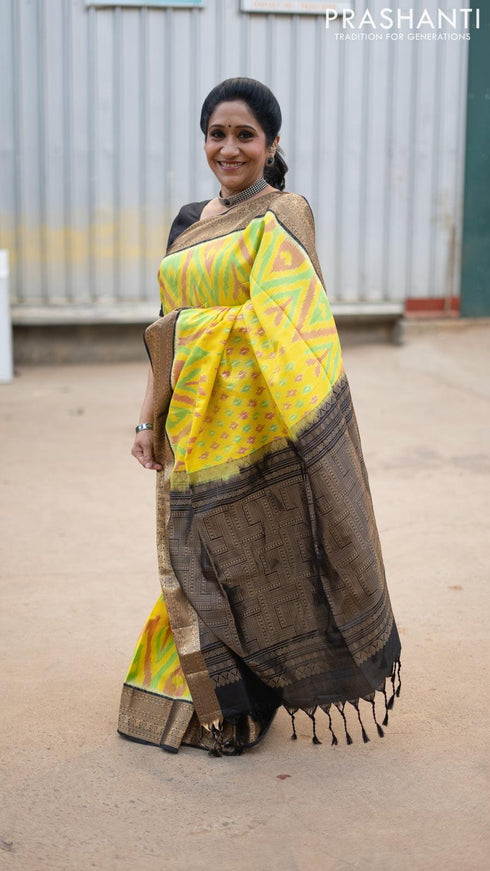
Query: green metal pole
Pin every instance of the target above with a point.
(475, 266)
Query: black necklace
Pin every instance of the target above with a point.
(254, 188)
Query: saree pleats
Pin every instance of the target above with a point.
(270, 561)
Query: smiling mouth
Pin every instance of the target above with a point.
(228, 164)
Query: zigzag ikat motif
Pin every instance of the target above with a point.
(155, 665)
(255, 334)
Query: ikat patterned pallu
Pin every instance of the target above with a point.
(273, 587)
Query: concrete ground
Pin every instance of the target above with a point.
(79, 578)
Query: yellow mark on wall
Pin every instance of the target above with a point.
(105, 240)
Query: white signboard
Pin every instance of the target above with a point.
(296, 7)
(183, 4)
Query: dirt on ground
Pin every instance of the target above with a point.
(79, 578)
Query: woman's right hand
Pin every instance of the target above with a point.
(143, 450)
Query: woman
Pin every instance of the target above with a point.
(273, 587)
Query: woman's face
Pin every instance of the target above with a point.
(236, 147)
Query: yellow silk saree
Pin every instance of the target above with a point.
(273, 586)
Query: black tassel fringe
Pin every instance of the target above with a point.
(326, 708)
(311, 715)
(385, 721)
(341, 707)
(364, 734)
(398, 689)
(394, 678)
(291, 712)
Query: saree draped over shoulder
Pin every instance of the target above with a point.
(273, 586)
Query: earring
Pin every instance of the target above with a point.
(269, 161)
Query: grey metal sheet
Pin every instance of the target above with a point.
(100, 145)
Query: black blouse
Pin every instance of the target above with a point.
(188, 215)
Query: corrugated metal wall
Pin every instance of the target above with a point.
(100, 145)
